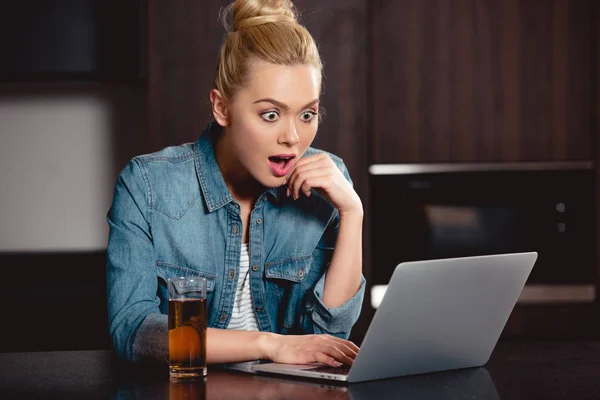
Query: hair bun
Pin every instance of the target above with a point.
(249, 13)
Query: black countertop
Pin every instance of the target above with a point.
(516, 370)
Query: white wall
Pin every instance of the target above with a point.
(57, 171)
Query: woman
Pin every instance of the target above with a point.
(272, 224)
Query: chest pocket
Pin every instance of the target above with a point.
(285, 275)
(294, 269)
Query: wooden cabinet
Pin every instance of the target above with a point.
(493, 80)
(183, 41)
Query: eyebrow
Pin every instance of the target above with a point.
(283, 106)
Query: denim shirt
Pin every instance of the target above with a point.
(173, 215)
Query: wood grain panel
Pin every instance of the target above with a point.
(596, 141)
(437, 89)
(469, 80)
(466, 106)
(484, 80)
(509, 114)
(559, 82)
(183, 40)
(535, 63)
(582, 73)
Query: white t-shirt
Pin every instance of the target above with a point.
(243, 317)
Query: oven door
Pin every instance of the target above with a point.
(447, 213)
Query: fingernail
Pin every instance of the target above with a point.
(287, 192)
(284, 181)
(337, 364)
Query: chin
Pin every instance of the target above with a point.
(271, 181)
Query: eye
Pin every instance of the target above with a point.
(270, 116)
(308, 116)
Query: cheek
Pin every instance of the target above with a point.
(245, 131)
(248, 139)
(308, 134)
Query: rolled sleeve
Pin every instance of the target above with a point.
(335, 321)
(151, 341)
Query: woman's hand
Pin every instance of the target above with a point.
(319, 172)
(305, 349)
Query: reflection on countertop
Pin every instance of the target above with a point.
(516, 370)
(228, 385)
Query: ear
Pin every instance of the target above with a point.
(219, 108)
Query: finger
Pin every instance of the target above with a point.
(349, 352)
(307, 164)
(300, 183)
(310, 162)
(306, 188)
(313, 158)
(319, 164)
(337, 354)
(319, 182)
(348, 343)
(342, 356)
(318, 176)
(345, 348)
(327, 360)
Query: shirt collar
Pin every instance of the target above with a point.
(215, 191)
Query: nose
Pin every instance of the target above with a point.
(289, 136)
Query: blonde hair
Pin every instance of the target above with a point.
(265, 30)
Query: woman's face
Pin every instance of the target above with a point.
(273, 120)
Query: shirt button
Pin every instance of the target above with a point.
(301, 273)
(235, 229)
(231, 273)
(236, 205)
(223, 316)
(258, 221)
(255, 268)
(259, 309)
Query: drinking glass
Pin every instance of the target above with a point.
(187, 327)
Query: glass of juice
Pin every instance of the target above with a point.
(187, 327)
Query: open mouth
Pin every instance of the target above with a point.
(281, 164)
(280, 159)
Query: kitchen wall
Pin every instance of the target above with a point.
(483, 81)
(60, 150)
(405, 81)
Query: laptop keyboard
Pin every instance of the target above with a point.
(343, 370)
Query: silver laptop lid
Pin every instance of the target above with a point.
(441, 314)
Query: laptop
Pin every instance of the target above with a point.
(436, 315)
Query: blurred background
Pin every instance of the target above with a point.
(468, 126)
